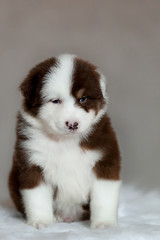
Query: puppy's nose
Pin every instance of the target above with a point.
(72, 125)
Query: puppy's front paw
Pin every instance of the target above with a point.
(102, 225)
(40, 223)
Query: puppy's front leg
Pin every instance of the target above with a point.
(104, 203)
(38, 204)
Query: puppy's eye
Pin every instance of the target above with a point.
(83, 99)
(56, 101)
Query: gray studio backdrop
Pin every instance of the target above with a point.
(122, 37)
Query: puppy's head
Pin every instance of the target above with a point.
(66, 93)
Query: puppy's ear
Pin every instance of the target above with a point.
(103, 84)
(30, 89)
(33, 83)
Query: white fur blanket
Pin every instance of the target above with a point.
(139, 218)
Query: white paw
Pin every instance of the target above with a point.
(40, 223)
(68, 219)
(60, 218)
(102, 225)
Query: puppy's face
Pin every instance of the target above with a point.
(66, 94)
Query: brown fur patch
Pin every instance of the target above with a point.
(22, 174)
(32, 85)
(103, 138)
(86, 78)
(80, 93)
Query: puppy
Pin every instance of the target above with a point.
(66, 164)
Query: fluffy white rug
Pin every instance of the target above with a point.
(139, 218)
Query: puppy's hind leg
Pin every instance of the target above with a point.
(13, 185)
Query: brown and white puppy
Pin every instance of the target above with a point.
(66, 164)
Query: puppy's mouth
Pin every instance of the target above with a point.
(71, 131)
(67, 131)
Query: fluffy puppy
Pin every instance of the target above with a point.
(66, 164)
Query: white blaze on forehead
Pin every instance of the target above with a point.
(58, 81)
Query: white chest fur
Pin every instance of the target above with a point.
(65, 165)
